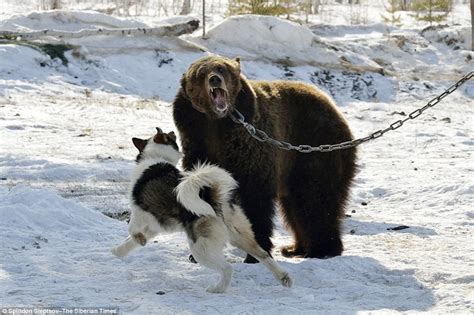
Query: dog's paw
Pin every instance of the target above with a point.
(286, 280)
(216, 289)
(117, 252)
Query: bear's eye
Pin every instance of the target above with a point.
(220, 69)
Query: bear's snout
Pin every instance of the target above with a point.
(215, 81)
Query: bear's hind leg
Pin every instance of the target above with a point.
(315, 225)
(317, 191)
(290, 217)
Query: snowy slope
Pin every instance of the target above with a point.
(279, 41)
(66, 155)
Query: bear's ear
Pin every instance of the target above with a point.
(237, 61)
(234, 64)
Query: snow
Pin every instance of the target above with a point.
(268, 38)
(48, 239)
(65, 20)
(66, 157)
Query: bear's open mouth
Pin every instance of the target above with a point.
(219, 98)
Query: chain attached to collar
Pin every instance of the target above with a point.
(262, 136)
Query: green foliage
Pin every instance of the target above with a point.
(7, 37)
(392, 17)
(53, 50)
(261, 7)
(431, 10)
(56, 51)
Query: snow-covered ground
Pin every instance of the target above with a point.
(66, 155)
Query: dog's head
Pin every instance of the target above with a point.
(161, 145)
(212, 84)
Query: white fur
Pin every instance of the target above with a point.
(204, 175)
(242, 236)
(141, 167)
(141, 221)
(161, 151)
(213, 232)
(209, 252)
(152, 154)
(236, 228)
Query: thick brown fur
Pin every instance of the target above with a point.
(311, 189)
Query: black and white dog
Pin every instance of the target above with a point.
(200, 202)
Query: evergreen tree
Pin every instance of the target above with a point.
(393, 18)
(262, 7)
(431, 10)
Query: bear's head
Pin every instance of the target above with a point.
(212, 85)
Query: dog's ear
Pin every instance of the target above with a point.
(172, 135)
(140, 144)
(160, 138)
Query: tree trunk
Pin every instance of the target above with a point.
(405, 5)
(430, 11)
(472, 25)
(316, 4)
(56, 4)
(308, 10)
(186, 9)
(203, 18)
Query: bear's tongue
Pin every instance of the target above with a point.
(219, 99)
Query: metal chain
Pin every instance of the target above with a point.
(262, 136)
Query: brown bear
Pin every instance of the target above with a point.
(311, 188)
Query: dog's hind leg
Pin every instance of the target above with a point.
(241, 236)
(249, 245)
(205, 254)
(208, 248)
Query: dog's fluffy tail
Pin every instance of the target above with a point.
(205, 175)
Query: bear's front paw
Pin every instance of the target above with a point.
(291, 251)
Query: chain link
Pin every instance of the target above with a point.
(262, 136)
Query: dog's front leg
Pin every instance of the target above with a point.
(126, 247)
